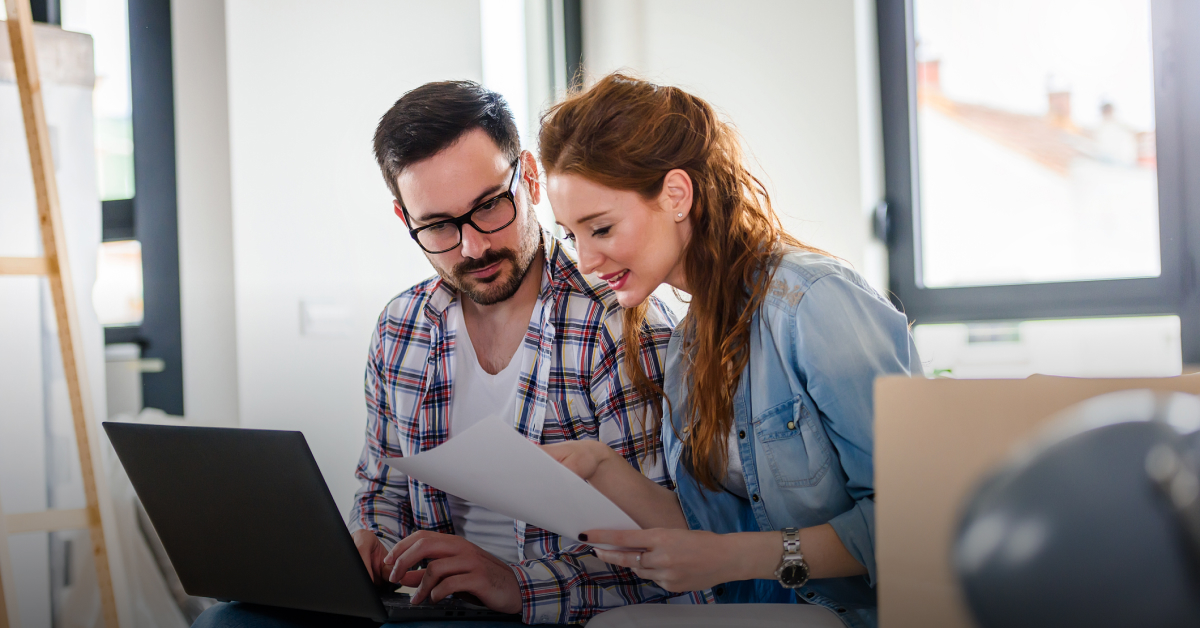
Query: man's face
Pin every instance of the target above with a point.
(486, 267)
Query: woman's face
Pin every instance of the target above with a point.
(633, 243)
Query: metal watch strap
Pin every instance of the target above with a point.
(791, 543)
(793, 569)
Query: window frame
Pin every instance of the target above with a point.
(1177, 87)
(573, 41)
(46, 11)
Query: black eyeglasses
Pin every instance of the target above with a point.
(490, 216)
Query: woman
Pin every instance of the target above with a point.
(768, 406)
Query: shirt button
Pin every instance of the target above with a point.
(720, 591)
(791, 425)
(809, 595)
(841, 610)
(754, 497)
(742, 434)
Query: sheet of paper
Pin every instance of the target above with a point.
(492, 465)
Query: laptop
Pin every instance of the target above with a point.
(244, 515)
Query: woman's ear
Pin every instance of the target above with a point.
(529, 172)
(676, 195)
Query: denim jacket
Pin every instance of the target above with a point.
(804, 412)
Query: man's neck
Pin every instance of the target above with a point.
(496, 330)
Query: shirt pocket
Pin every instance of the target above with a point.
(794, 443)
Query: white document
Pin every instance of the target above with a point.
(492, 465)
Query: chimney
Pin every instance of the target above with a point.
(1060, 108)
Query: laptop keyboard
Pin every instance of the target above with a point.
(400, 608)
(403, 600)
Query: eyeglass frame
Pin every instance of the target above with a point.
(465, 219)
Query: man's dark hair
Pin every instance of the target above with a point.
(433, 116)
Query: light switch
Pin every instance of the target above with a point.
(325, 318)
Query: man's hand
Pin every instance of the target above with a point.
(372, 551)
(456, 565)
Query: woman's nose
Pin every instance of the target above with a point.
(589, 258)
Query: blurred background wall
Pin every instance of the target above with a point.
(307, 230)
(800, 81)
(206, 265)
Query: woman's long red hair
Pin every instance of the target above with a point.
(626, 134)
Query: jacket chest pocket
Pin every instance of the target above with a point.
(794, 443)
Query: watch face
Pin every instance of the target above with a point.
(794, 574)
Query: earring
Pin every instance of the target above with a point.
(679, 215)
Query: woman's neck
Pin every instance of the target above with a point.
(676, 278)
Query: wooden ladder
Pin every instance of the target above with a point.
(53, 265)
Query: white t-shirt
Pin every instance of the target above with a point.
(480, 396)
(735, 478)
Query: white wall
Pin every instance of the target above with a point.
(311, 218)
(798, 78)
(210, 376)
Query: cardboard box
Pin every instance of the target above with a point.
(935, 440)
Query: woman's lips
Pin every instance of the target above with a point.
(616, 280)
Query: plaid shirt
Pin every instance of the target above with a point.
(571, 386)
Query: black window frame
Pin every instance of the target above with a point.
(151, 216)
(573, 41)
(1177, 112)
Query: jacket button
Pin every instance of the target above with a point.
(791, 425)
(754, 497)
(841, 610)
(742, 434)
(720, 591)
(809, 595)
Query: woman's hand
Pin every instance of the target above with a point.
(583, 457)
(690, 560)
(681, 560)
(648, 503)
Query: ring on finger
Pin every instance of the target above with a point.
(639, 558)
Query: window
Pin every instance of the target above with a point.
(1037, 160)
(137, 290)
(117, 294)
(1035, 170)
(107, 21)
(1130, 346)
(531, 55)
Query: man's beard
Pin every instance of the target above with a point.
(493, 289)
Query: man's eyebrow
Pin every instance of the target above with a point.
(496, 189)
(492, 191)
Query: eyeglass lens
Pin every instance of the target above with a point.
(493, 216)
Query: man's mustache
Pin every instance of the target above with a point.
(489, 258)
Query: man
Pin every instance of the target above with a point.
(509, 330)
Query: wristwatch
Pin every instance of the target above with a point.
(793, 570)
